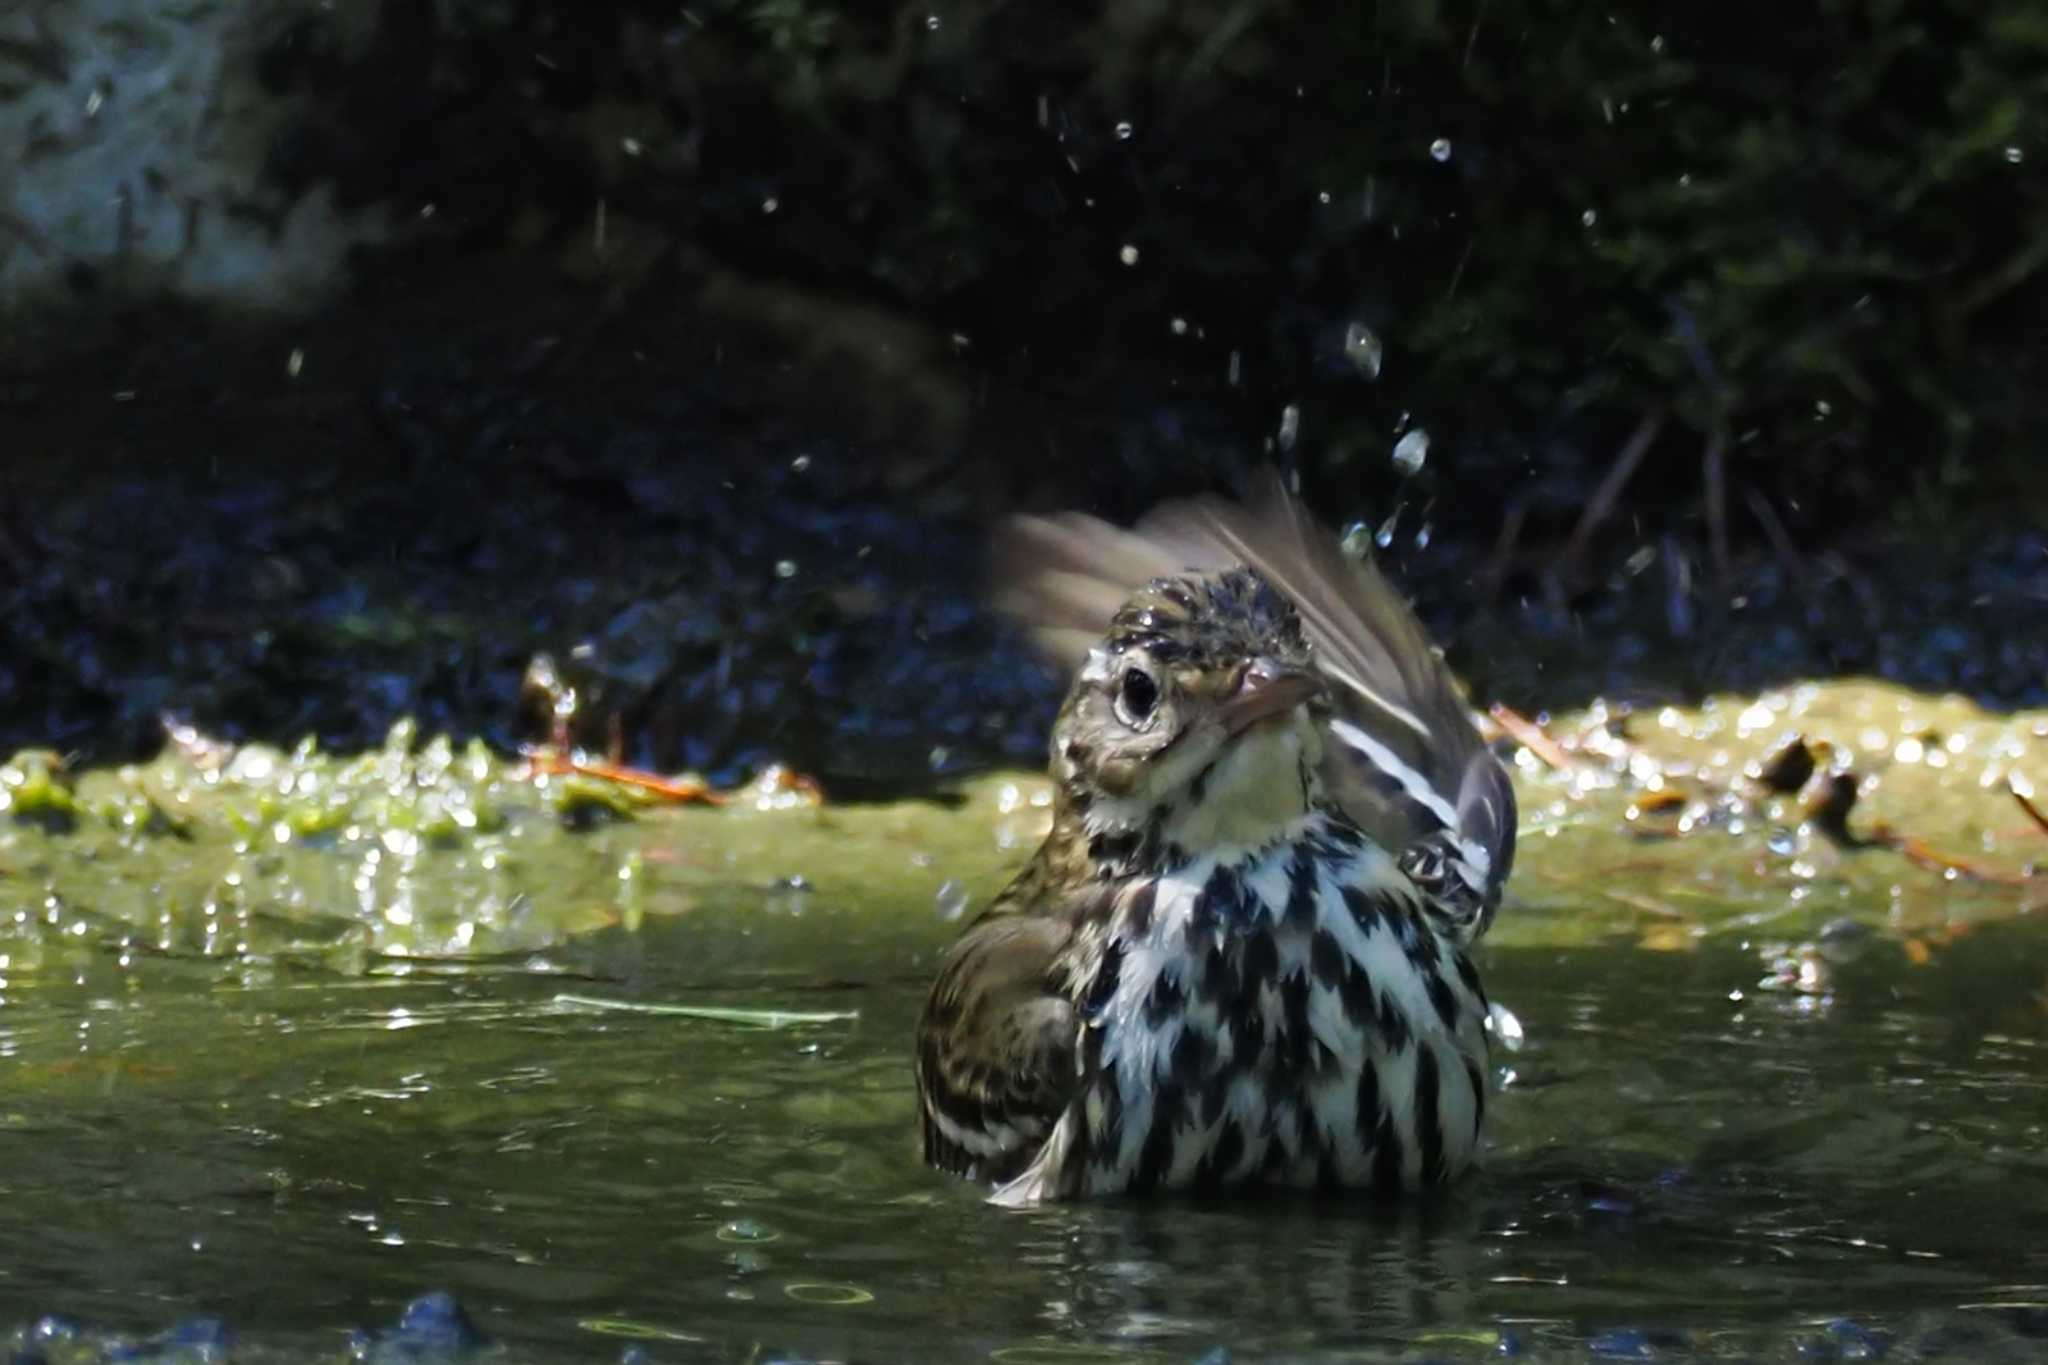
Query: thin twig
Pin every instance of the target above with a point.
(1530, 736)
(1715, 476)
(1472, 37)
(1646, 904)
(557, 762)
(1451, 291)
(2033, 811)
(1922, 854)
(2007, 277)
(1618, 475)
(721, 1014)
(1781, 541)
(1495, 571)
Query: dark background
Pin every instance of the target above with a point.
(732, 327)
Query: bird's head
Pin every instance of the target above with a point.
(1190, 729)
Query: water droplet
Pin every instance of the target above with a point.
(1657, 43)
(770, 204)
(1357, 541)
(931, 21)
(1235, 372)
(1385, 535)
(746, 1230)
(1589, 217)
(1123, 132)
(1128, 255)
(951, 901)
(1501, 1020)
(789, 895)
(1440, 150)
(1322, 196)
(785, 568)
(1179, 327)
(1783, 842)
(1423, 535)
(800, 464)
(2014, 155)
(1362, 348)
(1822, 409)
(1290, 427)
(1411, 450)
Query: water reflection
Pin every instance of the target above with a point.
(1684, 1163)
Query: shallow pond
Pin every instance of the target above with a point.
(1774, 1100)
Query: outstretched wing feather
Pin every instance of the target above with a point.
(1422, 760)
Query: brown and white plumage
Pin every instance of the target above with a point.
(1406, 762)
(1240, 955)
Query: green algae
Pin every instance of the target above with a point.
(429, 851)
(1663, 829)
(35, 790)
(1657, 829)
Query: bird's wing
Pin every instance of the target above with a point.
(1408, 764)
(996, 1046)
(1065, 576)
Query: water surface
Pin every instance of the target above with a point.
(1775, 1101)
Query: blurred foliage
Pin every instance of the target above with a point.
(1078, 255)
(1818, 233)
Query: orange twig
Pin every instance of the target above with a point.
(552, 760)
(2033, 811)
(1923, 854)
(1530, 736)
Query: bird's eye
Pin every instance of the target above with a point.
(1136, 696)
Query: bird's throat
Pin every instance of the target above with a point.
(1254, 793)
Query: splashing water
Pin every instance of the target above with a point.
(1411, 451)
(1290, 426)
(1363, 349)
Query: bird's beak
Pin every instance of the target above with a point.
(1268, 690)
